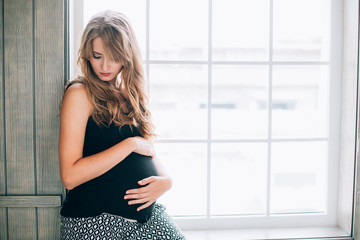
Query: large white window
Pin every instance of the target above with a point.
(246, 100)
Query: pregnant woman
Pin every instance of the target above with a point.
(107, 159)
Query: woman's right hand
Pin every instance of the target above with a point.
(143, 146)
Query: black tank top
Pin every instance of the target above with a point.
(106, 192)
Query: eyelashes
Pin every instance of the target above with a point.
(96, 57)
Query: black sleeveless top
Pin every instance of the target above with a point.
(106, 192)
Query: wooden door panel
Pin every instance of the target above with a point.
(3, 211)
(3, 223)
(22, 223)
(30, 201)
(19, 97)
(32, 55)
(43, 209)
(48, 223)
(20, 177)
(49, 71)
(49, 87)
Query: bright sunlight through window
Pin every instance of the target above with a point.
(239, 92)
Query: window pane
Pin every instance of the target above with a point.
(239, 102)
(298, 177)
(300, 101)
(238, 178)
(186, 164)
(178, 100)
(240, 30)
(135, 11)
(301, 30)
(179, 30)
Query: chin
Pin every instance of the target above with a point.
(106, 79)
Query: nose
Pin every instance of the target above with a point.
(105, 64)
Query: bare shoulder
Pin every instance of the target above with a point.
(77, 88)
(76, 100)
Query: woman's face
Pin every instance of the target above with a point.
(104, 68)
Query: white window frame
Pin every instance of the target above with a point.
(335, 206)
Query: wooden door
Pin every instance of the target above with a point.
(32, 72)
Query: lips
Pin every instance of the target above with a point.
(105, 74)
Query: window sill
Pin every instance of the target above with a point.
(273, 233)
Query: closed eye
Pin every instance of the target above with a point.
(96, 57)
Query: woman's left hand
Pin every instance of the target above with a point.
(154, 187)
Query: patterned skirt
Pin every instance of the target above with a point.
(111, 227)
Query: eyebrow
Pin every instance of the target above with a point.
(96, 53)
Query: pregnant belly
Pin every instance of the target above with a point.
(113, 184)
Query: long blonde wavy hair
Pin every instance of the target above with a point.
(126, 104)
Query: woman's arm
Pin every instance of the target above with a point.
(154, 187)
(74, 169)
